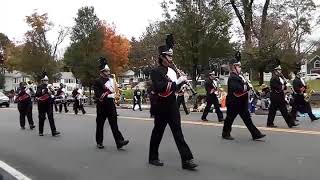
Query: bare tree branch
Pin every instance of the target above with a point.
(63, 32)
(236, 10)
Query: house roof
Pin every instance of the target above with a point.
(16, 74)
(314, 58)
(67, 75)
(127, 73)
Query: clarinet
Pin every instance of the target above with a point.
(250, 85)
(181, 73)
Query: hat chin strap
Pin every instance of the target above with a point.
(235, 69)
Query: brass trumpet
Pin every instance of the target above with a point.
(181, 73)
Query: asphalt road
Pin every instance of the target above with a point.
(286, 154)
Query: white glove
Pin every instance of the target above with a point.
(181, 79)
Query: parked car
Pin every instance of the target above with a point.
(4, 100)
(312, 76)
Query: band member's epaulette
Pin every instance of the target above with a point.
(168, 91)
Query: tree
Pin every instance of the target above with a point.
(200, 29)
(255, 54)
(117, 49)
(6, 47)
(300, 14)
(87, 45)
(36, 53)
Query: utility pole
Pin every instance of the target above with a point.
(2, 70)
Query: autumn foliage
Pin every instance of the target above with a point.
(116, 48)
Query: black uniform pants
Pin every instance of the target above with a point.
(153, 100)
(299, 104)
(25, 109)
(77, 106)
(46, 108)
(233, 109)
(64, 105)
(107, 110)
(180, 100)
(212, 99)
(160, 122)
(278, 102)
(135, 102)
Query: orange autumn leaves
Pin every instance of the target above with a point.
(117, 49)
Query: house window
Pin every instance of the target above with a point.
(317, 64)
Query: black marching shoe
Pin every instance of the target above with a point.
(156, 162)
(221, 120)
(120, 144)
(40, 134)
(189, 165)
(227, 137)
(204, 119)
(293, 125)
(271, 126)
(100, 146)
(32, 127)
(23, 128)
(315, 119)
(56, 133)
(258, 137)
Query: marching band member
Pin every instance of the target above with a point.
(180, 98)
(212, 88)
(164, 84)
(104, 91)
(25, 105)
(61, 97)
(277, 97)
(44, 96)
(299, 102)
(77, 105)
(237, 101)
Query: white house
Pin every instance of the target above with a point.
(12, 79)
(127, 77)
(68, 80)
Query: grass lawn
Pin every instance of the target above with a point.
(314, 84)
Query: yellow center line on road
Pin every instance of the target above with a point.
(295, 130)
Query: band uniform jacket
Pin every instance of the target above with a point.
(23, 98)
(164, 89)
(211, 86)
(277, 85)
(299, 86)
(237, 89)
(102, 93)
(43, 95)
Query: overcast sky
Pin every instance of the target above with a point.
(129, 16)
